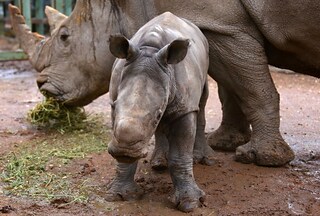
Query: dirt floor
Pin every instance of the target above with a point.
(231, 188)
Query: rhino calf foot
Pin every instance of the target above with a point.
(124, 192)
(159, 160)
(188, 199)
(228, 138)
(159, 164)
(265, 153)
(204, 155)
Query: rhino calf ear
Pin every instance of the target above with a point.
(121, 47)
(174, 52)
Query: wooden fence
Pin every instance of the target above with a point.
(33, 11)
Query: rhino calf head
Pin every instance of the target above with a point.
(140, 88)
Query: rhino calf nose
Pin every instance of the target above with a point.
(128, 131)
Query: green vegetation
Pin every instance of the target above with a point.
(41, 168)
(52, 114)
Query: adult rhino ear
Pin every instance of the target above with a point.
(174, 52)
(121, 47)
(55, 18)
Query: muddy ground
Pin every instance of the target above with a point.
(231, 188)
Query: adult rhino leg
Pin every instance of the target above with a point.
(242, 69)
(159, 156)
(202, 153)
(187, 195)
(123, 187)
(234, 129)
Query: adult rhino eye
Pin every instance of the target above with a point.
(64, 37)
(64, 34)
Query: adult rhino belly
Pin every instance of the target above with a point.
(292, 61)
(291, 31)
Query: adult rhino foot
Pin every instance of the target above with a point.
(123, 192)
(265, 153)
(228, 138)
(203, 155)
(188, 199)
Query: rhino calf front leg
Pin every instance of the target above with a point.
(187, 195)
(123, 187)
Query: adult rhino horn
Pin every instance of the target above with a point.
(54, 17)
(28, 40)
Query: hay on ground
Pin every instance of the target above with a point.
(52, 113)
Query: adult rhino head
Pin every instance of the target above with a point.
(73, 63)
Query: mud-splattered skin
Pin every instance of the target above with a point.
(244, 37)
(159, 82)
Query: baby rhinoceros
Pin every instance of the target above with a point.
(159, 85)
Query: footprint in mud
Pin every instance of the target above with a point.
(6, 209)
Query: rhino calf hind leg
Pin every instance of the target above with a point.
(202, 152)
(187, 195)
(123, 187)
(159, 156)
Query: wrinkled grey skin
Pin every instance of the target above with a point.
(244, 37)
(159, 84)
(74, 62)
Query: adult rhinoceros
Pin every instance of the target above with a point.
(244, 37)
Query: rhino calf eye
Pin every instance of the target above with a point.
(159, 115)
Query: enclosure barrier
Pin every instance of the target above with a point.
(33, 11)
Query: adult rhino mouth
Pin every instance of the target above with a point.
(48, 89)
(62, 92)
